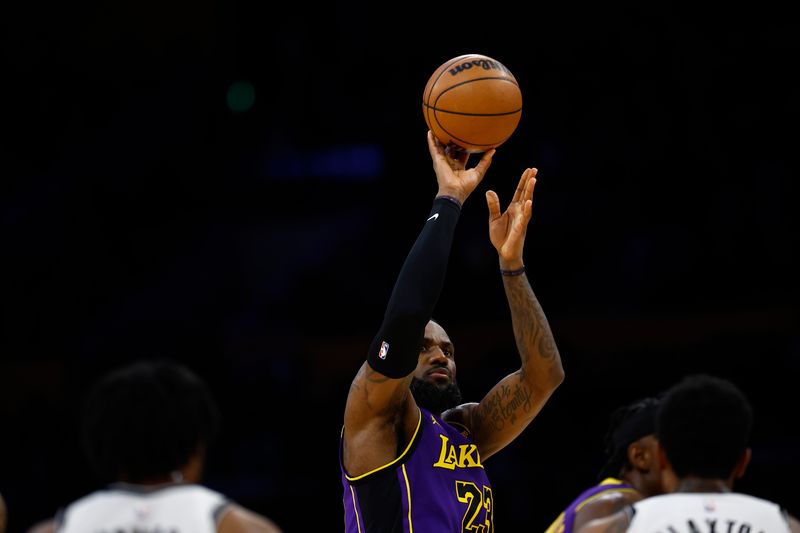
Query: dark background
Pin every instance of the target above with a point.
(147, 210)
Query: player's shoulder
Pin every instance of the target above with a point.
(460, 417)
(612, 500)
(794, 523)
(604, 500)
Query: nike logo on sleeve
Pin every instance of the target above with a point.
(434, 216)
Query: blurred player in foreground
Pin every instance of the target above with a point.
(703, 429)
(146, 429)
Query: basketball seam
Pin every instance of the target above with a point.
(434, 108)
(465, 141)
(444, 68)
(470, 81)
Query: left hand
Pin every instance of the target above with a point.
(507, 230)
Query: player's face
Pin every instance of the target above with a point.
(436, 364)
(434, 381)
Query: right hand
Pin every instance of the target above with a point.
(452, 174)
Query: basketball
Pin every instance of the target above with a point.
(472, 101)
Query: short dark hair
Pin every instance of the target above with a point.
(627, 424)
(704, 426)
(146, 420)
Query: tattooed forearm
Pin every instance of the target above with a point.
(531, 329)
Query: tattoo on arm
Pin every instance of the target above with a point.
(529, 322)
(504, 405)
(365, 384)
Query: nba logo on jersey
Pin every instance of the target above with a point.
(384, 350)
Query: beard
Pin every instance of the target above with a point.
(435, 398)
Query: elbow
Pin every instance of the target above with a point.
(545, 380)
(555, 375)
(558, 376)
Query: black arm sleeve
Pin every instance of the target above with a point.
(395, 349)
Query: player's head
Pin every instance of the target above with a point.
(434, 383)
(144, 421)
(631, 446)
(704, 428)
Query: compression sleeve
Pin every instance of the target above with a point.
(395, 349)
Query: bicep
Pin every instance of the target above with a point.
(505, 412)
(379, 411)
(373, 396)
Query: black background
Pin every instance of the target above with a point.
(142, 216)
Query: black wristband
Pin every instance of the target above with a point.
(517, 272)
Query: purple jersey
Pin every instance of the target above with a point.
(437, 484)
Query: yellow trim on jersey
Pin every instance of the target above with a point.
(408, 492)
(557, 526)
(355, 508)
(399, 457)
(454, 424)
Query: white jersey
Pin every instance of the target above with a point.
(123, 508)
(706, 512)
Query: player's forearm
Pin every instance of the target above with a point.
(395, 349)
(541, 362)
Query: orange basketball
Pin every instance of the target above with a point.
(472, 101)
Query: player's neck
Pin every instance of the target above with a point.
(698, 484)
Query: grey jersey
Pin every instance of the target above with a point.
(122, 508)
(704, 512)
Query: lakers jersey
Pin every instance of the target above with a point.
(563, 523)
(705, 512)
(437, 484)
(123, 508)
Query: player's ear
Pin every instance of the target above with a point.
(640, 455)
(741, 466)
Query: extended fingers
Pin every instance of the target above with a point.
(522, 186)
(493, 202)
(529, 186)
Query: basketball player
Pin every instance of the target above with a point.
(631, 471)
(703, 428)
(146, 429)
(412, 454)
